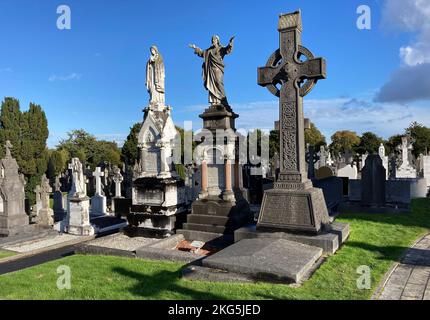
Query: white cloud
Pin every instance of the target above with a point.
(72, 76)
(410, 16)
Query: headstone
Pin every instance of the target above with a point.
(323, 157)
(332, 188)
(294, 204)
(38, 206)
(323, 173)
(78, 213)
(373, 182)
(311, 158)
(159, 194)
(381, 152)
(329, 161)
(405, 170)
(426, 169)
(98, 201)
(349, 171)
(13, 219)
(60, 201)
(45, 215)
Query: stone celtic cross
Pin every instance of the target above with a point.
(290, 74)
(289, 78)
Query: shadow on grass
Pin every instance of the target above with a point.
(163, 281)
(413, 256)
(418, 217)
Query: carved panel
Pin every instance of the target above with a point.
(289, 136)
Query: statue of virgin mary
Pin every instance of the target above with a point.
(155, 76)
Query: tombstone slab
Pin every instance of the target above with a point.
(275, 259)
(373, 178)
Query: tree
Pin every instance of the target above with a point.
(129, 151)
(369, 143)
(88, 149)
(28, 132)
(344, 141)
(314, 137)
(421, 135)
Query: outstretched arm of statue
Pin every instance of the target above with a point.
(197, 50)
(229, 48)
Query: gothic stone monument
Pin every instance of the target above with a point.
(294, 204)
(13, 218)
(221, 207)
(158, 193)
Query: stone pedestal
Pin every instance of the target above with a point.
(98, 205)
(78, 217)
(220, 209)
(159, 202)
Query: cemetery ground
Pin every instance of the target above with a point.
(376, 241)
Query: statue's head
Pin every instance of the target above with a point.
(215, 40)
(154, 50)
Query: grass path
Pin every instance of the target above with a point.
(5, 254)
(375, 241)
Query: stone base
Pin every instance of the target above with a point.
(45, 217)
(266, 259)
(329, 241)
(302, 211)
(78, 219)
(13, 225)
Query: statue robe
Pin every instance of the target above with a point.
(213, 72)
(155, 76)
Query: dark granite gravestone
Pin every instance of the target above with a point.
(373, 182)
(332, 188)
(311, 159)
(294, 204)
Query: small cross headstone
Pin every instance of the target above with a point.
(118, 179)
(98, 174)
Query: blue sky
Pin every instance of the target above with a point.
(92, 76)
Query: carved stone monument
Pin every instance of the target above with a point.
(294, 204)
(221, 207)
(60, 201)
(405, 170)
(78, 213)
(45, 215)
(98, 201)
(13, 218)
(158, 193)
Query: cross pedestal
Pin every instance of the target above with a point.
(290, 74)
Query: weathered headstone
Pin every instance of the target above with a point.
(98, 201)
(405, 170)
(349, 171)
(294, 204)
(311, 158)
(426, 169)
(78, 213)
(373, 182)
(323, 173)
(13, 218)
(45, 215)
(381, 152)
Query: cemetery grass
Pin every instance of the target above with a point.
(376, 241)
(5, 254)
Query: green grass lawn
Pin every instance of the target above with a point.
(5, 254)
(376, 241)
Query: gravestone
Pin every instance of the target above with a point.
(373, 182)
(332, 188)
(349, 171)
(426, 169)
(405, 170)
(384, 158)
(311, 158)
(323, 157)
(98, 201)
(13, 219)
(159, 199)
(60, 201)
(329, 161)
(294, 204)
(45, 215)
(221, 206)
(324, 172)
(77, 220)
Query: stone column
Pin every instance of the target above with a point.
(236, 175)
(228, 194)
(204, 179)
